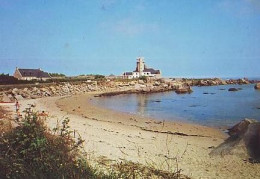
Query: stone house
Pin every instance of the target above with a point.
(31, 74)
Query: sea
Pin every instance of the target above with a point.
(212, 106)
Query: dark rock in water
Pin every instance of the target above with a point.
(232, 89)
(157, 101)
(257, 86)
(205, 93)
(194, 105)
(183, 90)
(244, 141)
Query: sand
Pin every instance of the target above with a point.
(117, 136)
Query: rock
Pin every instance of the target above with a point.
(15, 91)
(157, 83)
(243, 81)
(240, 127)
(222, 82)
(33, 97)
(6, 99)
(232, 89)
(141, 81)
(34, 89)
(157, 101)
(146, 90)
(244, 141)
(165, 85)
(19, 97)
(202, 83)
(132, 83)
(257, 86)
(137, 87)
(183, 90)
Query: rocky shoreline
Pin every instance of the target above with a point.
(110, 87)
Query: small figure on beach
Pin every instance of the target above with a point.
(17, 106)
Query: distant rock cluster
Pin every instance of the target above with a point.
(45, 91)
(112, 87)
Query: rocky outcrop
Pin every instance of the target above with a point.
(45, 91)
(241, 127)
(257, 86)
(120, 86)
(244, 141)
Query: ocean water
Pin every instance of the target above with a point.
(210, 106)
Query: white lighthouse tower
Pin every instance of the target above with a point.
(140, 64)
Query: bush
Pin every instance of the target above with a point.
(144, 78)
(57, 75)
(31, 151)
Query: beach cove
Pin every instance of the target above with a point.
(113, 136)
(213, 106)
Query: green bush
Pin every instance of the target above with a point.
(31, 151)
(144, 78)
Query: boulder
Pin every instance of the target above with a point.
(165, 85)
(6, 99)
(183, 90)
(244, 141)
(141, 81)
(132, 83)
(15, 91)
(242, 81)
(18, 97)
(232, 89)
(202, 83)
(240, 128)
(157, 83)
(257, 86)
(34, 89)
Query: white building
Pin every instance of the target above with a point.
(142, 70)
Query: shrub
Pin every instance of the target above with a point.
(144, 78)
(31, 151)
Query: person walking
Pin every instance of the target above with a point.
(17, 106)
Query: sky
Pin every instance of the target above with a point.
(182, 38)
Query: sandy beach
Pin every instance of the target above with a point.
(112, 136)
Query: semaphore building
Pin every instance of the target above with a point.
(142, 70)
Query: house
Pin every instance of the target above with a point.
(31, 74)
(142, 70)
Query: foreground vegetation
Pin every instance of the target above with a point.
(31, 150)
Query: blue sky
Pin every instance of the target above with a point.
(187, 38)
